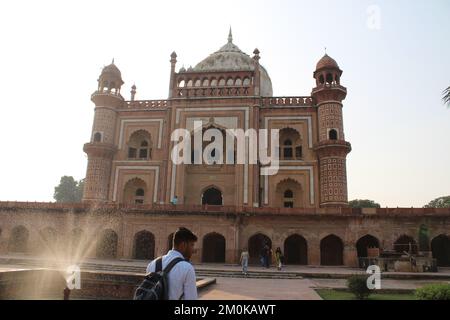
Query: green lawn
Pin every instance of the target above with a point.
(329, 294)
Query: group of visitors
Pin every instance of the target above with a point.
(265, 258)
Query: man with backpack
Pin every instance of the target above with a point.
(171, 277)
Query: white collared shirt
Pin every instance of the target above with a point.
(181, 279)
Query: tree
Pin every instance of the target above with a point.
(357, 203)
(69, 190)
(441, 202)
(446, 96)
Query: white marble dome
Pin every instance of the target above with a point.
(231, 58)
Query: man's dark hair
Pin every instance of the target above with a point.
(183, 235)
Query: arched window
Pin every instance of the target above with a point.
(143, 150)
(230, 82)
(321, 79)
(212, 196)
(181, 83)
(139, 196)
(134, 191)
(222, 82)
(287, 150)
(205, 82)
(290, 142)
(329, 78)
(213, 82)
(288, 199)
(238, 82)
(189, 84)
(333, 134)
(198, 83)
(246, 82)
(97, 137)
(139, 146)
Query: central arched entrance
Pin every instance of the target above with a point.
(295, 250)
(256, 244)
(213, 248)
(440, 247)
(331, 251)
(144, 246)
(212, 196)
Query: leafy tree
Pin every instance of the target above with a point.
(441, 202)
(69, 190)
(357, 203)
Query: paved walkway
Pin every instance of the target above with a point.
(260, 289)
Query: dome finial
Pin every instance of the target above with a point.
(230, 36)
(112, 61)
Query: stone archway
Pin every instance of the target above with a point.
(212, 196)
(213, 248)
(331, 251)
(18, 241)
(144, 246)
(405, 243)
(296, 250)
(107, 245)
(135, 192)
(440, 247)
(368, 241)
(255, 245)
(362, 247)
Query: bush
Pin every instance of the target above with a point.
(440, 291)
(358, 286)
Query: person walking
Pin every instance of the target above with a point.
(181, 278)
(279, 258)
(244, 261)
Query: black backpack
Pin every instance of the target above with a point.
(155, 285)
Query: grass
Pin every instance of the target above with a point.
(330, 294)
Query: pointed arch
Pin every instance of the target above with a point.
(107, 244)
(331, 251)
(144, 245)
(135, 191)
(214, 248)
(296, 250)
(212, 195)
(440, 248)
(256, 244)
(18, 241)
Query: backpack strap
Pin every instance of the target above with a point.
(172, 264)
(158, 264)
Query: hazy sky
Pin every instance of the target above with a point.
(395, 57)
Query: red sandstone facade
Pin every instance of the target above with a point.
(129, 153)
(131, 180)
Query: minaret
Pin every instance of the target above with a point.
(173, 62)
(331, 149)
(101, 148)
